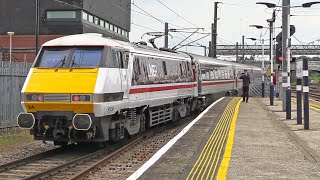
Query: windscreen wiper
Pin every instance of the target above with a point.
(74, 62)
(62, 61)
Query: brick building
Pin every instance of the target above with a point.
(59, 18)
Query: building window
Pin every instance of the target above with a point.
(107, 25)
(84, 16)
(96, 20)
(90, 18)
(102, 23)
(61, 14)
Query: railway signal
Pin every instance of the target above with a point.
(279, 53)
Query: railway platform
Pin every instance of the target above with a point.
(236, 140)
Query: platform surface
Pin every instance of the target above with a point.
(265, 146)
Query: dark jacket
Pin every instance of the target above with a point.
(246, 79)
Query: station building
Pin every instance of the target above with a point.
(59, 18)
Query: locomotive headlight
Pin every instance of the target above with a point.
(34, 97)
(81, 98)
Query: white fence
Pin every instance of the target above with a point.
(12, 77)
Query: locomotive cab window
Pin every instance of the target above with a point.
(70, 57)
(86, 57)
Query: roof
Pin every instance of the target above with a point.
(88, 39)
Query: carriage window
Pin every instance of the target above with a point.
(122, 59)
(112, 61)
(164, 68)
(181, 72)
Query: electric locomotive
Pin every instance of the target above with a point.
(88, 88)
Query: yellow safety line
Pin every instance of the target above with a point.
(216, 148)
(217, 144)
(222, 173)
(204, 151)
(312, 105)
(212, 145)
(220, 143)
(217, 155)
(220, 126)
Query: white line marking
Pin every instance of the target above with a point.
(166, 147)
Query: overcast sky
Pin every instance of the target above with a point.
(235, 16)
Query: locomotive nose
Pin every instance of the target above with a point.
(26, 120)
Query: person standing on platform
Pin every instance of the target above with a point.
(274, 84)
(245, 85)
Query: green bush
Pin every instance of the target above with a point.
(315, 78)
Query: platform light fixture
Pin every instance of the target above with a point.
(10, 35)
(304, 5)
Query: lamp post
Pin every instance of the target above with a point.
(271, 24)
(286, 101)
(10, 34)
(37, 26)
(263, 66)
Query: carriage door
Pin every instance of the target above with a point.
(199, 78)
(123, 62)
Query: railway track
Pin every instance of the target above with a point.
(112, 162)
(30, 166)
(3, 128)
(314, 92)
(122, 163)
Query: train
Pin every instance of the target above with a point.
(87, 88)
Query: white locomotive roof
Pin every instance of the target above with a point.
(89, 39)
(94, 39)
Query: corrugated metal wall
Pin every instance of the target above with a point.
(12, 77)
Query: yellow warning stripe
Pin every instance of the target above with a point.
(222, 173)
(206, 165)
(312, 105)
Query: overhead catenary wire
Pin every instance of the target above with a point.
(145, 13)
(177, 14)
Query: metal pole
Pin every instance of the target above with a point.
(10, 47)
(205, 50)
(243, 49)
(288, 91)
(215, 31)
(237, 52)
(306, 93)
(263, 68)
(166, 35)
(271, 59)
(210, 49)
(37, 26)
(212, 40)
(299, 100)
(285, 12)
